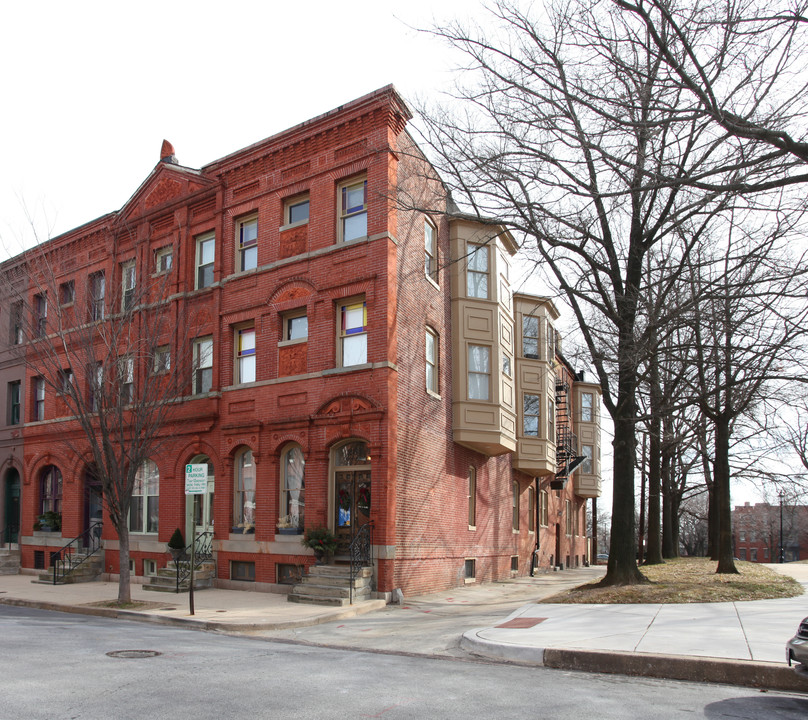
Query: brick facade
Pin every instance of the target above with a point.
(302, 395)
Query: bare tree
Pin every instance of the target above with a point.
(749, 325)
(575, 133)
(111, 358)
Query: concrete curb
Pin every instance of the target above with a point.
(746, 673)
(200, 624)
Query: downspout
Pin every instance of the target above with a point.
(534, 561)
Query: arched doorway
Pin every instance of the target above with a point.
(11, 503)
(352, 491)
(199, 508)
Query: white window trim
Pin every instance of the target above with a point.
(200, 239)
(285, 318)
(341, 218)
(431, 333)
(240, 251)
(288, 203)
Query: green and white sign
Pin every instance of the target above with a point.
(196, 478)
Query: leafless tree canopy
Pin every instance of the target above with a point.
(580, 130)
(108, 360)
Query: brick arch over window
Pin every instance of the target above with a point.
(347, 405)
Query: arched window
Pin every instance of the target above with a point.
(50, 490)
(292, 504)
(244, 496)
(144, 510)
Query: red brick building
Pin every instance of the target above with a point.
(354, 359)
(757, 532)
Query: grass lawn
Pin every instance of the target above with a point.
(689, 580)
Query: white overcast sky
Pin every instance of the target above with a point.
(91, 89)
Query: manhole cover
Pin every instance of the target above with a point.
(133, 653)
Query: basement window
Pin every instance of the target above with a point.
(470, 570)
(242, 570)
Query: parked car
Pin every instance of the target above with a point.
(603, 557)
(797, 647)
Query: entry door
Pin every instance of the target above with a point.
(203, 510)
(351, 505)
(12, 505)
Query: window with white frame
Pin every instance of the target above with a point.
(50, 490)
(292, 488)
(296, 210)
(67, 293)
(245, 355)
(126, 379)
(97, 291)
(551, 421)
(586, 465)
(353, 333)
(40, 314)
(432, 365)
(530, 337)
(544, 510)
(550, 343)
(203, 365)
(479, 372)
(247, 243)
(15, 323)
(587, 406)
(430, 251)
(95, 385)
(144, 509)
(66, 381)
(14, 401)
(477, 271)
(531, 405)
(205, 257)
(39, 399)
(128, 281)
(161, 359)
(163, 259)
(244, 495)
(295, 326)
(353, 210)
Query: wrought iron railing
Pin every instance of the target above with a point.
(202, 553)
(76, 552)
(10, 534)
(360, 552)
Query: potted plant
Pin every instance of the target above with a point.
(49, 521)
(321, 540)
(288, 525)
(176, 545)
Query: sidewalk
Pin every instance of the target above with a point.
(735, 642)
(738, 643)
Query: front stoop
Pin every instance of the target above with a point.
(166, 578)
(9, 562)
(331, 585)
(87, 571)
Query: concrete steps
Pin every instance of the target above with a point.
(331, 585)
(89, 569)
(9, 562)
(166, 578)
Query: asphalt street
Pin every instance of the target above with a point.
(58, 666)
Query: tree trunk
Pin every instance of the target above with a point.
(653, 554)
(670, 548)
(721, 478)
(124, 585)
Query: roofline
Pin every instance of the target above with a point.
(371, 98)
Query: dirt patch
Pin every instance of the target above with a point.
(136, 605)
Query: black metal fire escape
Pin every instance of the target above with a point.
(567, 458)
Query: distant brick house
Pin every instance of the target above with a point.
(756, 532)
(354, 361)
